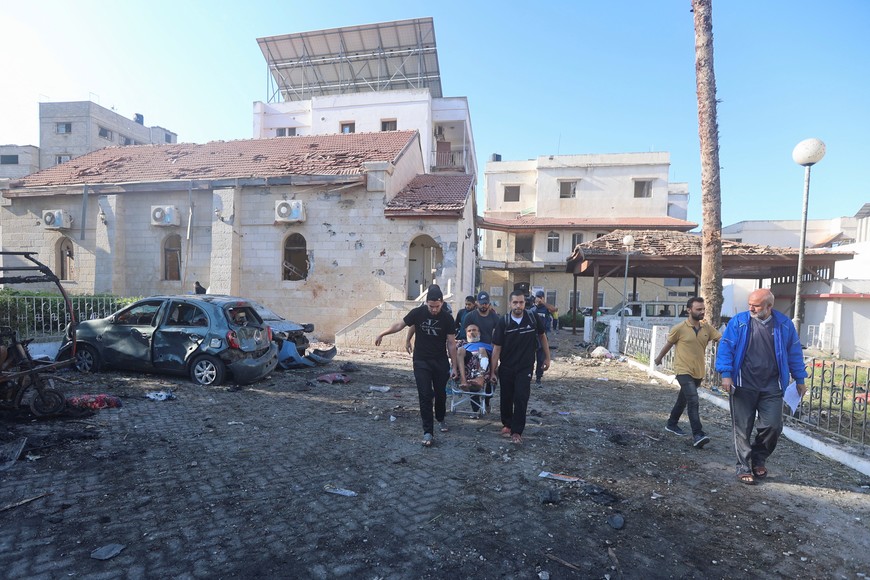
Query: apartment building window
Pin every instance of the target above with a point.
(576, 238)
(285, 132)
(679, 281)
(511, 192)
(567, 189)
(643, 188)
(550, 297)
(574, 301)
(553, 242)
(498, 243)
(167, 138)
(58, 159)
(389, 125)
(124, 140)
(63, 128)
(172, 257)
(348, 127)
(105, 133)
(295, 265)
(65, 259)
(8, 159)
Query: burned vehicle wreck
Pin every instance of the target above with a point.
(203, 336)
(292, 342)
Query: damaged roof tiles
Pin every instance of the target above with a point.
(431, 195)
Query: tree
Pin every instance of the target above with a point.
(708, 131)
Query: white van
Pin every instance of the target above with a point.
(647, 314)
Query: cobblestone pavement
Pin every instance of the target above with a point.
(224, 483)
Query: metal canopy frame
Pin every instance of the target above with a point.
(355, 59)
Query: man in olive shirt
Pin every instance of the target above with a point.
(691, 338)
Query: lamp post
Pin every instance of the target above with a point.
(628, 242)
(807, 153)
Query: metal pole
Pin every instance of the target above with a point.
(798, 285)
(624, 304)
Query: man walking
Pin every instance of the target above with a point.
(545, 313)
(460, 317)
(435, 332)
(758, 351)
(484, 317)
(515, 342)
(691, 338)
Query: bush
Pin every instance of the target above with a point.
(567, 320)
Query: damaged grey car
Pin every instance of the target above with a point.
(203, 336)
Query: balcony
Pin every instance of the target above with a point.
(453, 160)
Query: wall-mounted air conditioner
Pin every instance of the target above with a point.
(55, 219)
(165, 215)
(289, 211)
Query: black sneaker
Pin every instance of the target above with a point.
(675, 429)
(538, 381)
(700, 441)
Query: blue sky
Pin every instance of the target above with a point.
(542, 78)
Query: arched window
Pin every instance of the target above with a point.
(295, 264)
(65, 267)
(172, 257)
(553, 242)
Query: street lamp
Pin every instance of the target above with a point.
(807, 153)
(628, 242)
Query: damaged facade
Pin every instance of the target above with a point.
(319, 228)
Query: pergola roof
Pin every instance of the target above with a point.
(668, 254)
(354, 59)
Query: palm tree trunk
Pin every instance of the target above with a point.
(708, 131)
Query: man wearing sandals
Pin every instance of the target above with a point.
(758, 351)
(435, 334)
(515, 342)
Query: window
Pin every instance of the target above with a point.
(167, 138)
(511, 192)
(643, 188)
(63, 128)
(550, 297)
(348, 127)
(58, 159)
(106, 134)
(567, 189)
(679, 281)
(172, 257)
(498, 243)
(389, 125)
(553, 242)
(124, 140)
(295, 265)
(8, 159)
(285, 132)
(576, 238)
(574, 300)
(66, 259)
(182, 314)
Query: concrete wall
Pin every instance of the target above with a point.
(28, 161)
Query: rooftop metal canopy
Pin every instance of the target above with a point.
(372, 57)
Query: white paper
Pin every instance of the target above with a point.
(792, 397)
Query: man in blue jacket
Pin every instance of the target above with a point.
(758, 351)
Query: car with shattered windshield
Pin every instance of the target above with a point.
(206, 337)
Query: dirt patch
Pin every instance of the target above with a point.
(229, 483)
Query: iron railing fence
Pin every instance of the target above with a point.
(836, 402)
(44, 318)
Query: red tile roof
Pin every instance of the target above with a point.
(431, 195)
(531, 222)
(305, 155)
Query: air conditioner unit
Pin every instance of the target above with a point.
(55, 219)
(165, 215)
(289, 211)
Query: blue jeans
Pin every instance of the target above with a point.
(687, 401)
(431, 377)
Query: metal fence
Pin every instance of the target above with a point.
(44, 318)
(837, 396)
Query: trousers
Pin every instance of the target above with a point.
(515, 390)
(431, 378)
(687, 401)
(759, 409)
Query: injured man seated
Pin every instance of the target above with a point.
(473, 360)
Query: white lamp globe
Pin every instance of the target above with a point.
(808, 152)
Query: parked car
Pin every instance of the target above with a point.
(203, 336)
(283, 329)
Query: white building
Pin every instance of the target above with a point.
(538, 210)
(16, 161)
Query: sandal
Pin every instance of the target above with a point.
(427, 440)
(517, 439)
(746, 478)
(505, 431)
(759, 471)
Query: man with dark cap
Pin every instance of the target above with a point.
(435, 339)
(545, 314)
(484, 317)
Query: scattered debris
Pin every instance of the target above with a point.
(166, 395)
(558, 476)
(380, 389)
(10, 452)
(339, 491)
(22, 502)
(616, 521)
(95, 402)
(334, 378)
(107, 552)
(551, 496)
(349, 367)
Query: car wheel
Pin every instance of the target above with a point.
(87, 359)
(207, 370)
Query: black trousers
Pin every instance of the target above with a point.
(746, 405)
(687, 400)
(515, 390)
(431, 377)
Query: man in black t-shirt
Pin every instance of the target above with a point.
(515, 342)
(435, 339)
